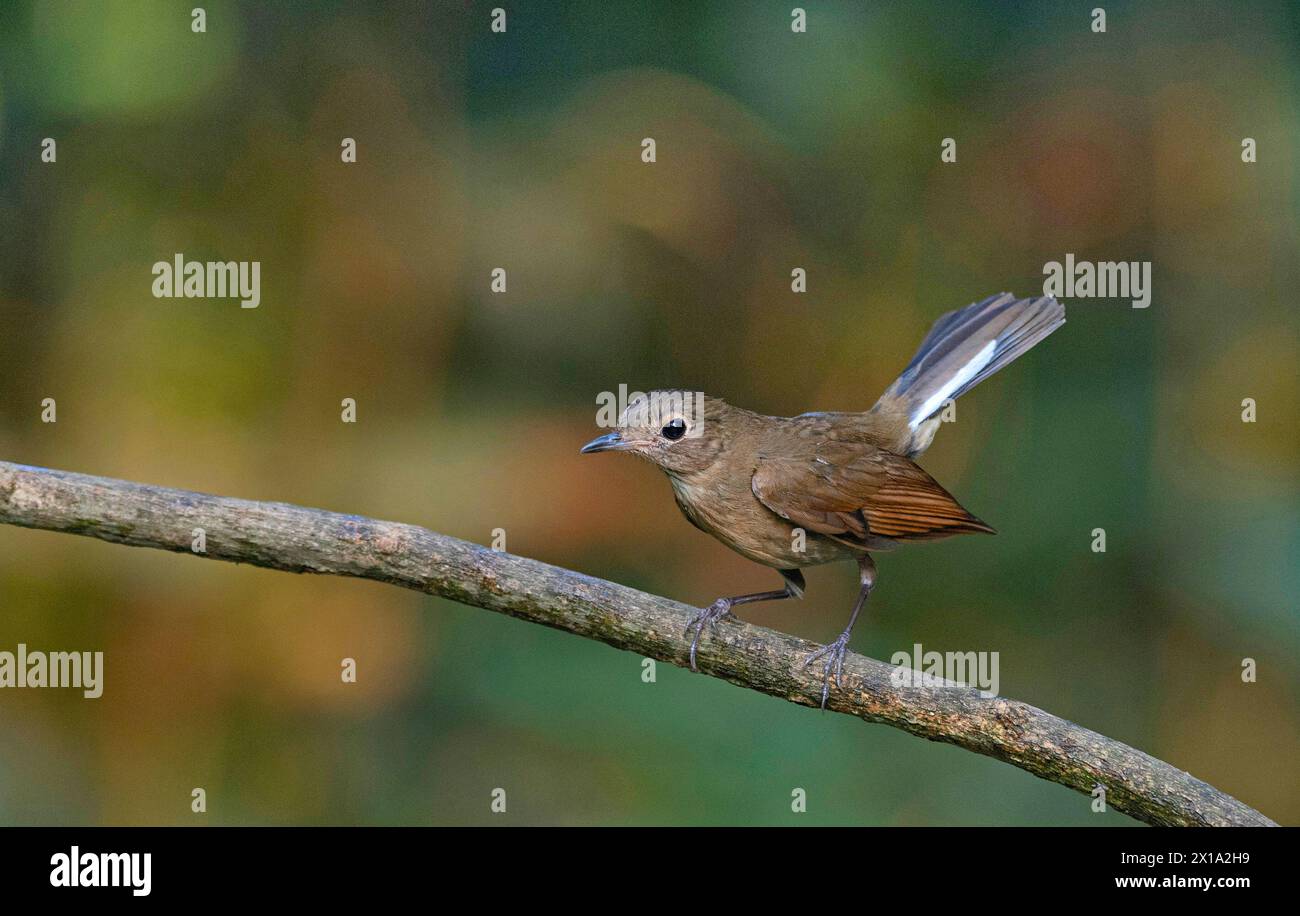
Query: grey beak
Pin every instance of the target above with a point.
(606, 443)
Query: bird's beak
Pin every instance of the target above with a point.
(609, 442)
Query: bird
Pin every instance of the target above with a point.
(794, 492)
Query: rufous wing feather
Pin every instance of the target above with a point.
(853, 492)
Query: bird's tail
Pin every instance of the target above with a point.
(962, 349)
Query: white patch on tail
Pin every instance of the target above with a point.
(968, 372)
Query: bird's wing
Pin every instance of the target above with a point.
(852, 491)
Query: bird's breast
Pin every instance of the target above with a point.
(733, 515)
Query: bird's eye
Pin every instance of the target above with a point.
(674, 430)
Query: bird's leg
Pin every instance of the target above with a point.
(721, 609)
(834, 652)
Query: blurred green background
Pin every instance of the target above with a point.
(522, 150)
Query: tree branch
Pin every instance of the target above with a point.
(296, 539)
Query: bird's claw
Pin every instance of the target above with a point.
(834, 666)
(707, 617)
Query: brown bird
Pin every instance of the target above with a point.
(791, 492)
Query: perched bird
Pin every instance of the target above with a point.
(792, 492)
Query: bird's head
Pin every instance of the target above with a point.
(683, 432)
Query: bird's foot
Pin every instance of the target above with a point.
(833, 653)
(707, 617)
